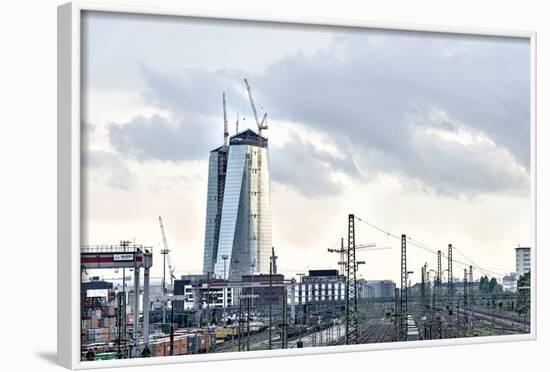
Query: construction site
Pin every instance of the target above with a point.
(242, 302)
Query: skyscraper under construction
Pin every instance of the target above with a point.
(238, 209)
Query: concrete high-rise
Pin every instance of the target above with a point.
(238, 216)
(523, 260)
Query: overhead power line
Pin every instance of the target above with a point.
(431, 250)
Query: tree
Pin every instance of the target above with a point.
(483, 283)
(489, 286)
(524, 294)
(492, 285)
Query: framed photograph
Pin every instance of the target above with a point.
(235, 186)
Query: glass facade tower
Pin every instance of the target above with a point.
(217, 167)
(242, 233)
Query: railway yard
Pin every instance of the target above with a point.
(204, 315)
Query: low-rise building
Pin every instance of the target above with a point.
(202, 293)
(510, 282)
(320, 286)
(380, 288)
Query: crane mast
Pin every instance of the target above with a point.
(166, 254)
(261, 124)
(225, 126)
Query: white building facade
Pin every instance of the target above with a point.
(523, 260)
(510, 282)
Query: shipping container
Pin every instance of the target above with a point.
(183, 341)
(105, 356)
(158, 349)
(191, 344)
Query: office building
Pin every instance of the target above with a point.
(523, 260)
(238, 217)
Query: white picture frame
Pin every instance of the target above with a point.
(69, 148)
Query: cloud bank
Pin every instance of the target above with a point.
(449, 113)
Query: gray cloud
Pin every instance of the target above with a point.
(195, 125)
(301, 165)
(157, 137)
(362, 92)
(108, 166)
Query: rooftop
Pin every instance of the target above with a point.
(248, 137)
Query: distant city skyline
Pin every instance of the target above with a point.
(419, 133)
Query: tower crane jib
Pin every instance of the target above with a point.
(263, 123)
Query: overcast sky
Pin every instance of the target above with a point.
(419, 133)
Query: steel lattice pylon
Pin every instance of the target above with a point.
(351, 292)
(439, 276)
(471, 285)
(122, 339)
(465, 287)
(450, 286)
(423, 288)
(404, 296)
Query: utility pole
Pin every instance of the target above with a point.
(224, 300)
(241, 323)
(172, 328)
(351, 292)
(248, 324)
(423, 288)
(284, 324)
(342, 257)
(274, 260)
(428, 290)
(208, 301)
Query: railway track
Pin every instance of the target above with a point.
(232, 345)
(375, 331)
(505, 322)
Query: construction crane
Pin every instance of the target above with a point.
(225, 125)
(342, 250)
(261, 124)
(166, 254)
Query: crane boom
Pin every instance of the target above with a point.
(370, 246)
(166, 252)
(165, 243)
(261, 124)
